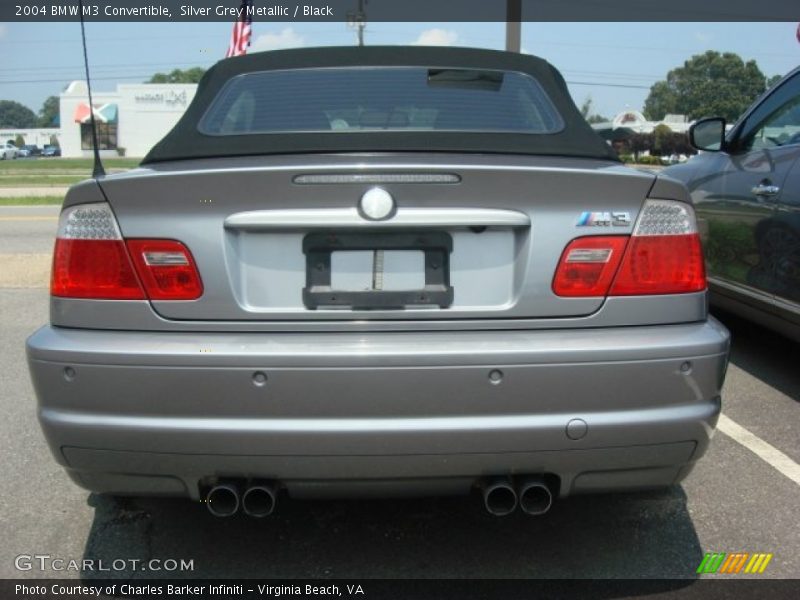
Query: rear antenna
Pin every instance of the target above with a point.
(97, 169)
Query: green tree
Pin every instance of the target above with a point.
(49, 114)
(662, 100)
(662, 140)
(773, 80)
(586, 107)
(680, 144)
(586, 112)
(19, 141)
(15, 115)
(638, 143)
(710, 84)
(193, 75)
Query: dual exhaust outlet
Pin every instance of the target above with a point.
(257, 500)
(502, 496)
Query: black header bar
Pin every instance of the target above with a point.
(402, 10)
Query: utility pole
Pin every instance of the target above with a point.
(513, 25)
(358, 19)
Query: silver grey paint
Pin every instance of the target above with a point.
(614, 312)
(395, 349)
(326, 218)
(551, 192)
(434, 398)
(615, 469)
(164, 395)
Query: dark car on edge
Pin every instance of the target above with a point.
(745, 187)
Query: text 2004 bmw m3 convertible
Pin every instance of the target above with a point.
(378, 271)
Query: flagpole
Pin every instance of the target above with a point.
(358, 19)
(513, 25)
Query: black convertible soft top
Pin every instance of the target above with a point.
(186, 141)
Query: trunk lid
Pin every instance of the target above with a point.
(282, 238)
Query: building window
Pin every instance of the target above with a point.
(106, 136)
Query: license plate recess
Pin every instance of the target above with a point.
(435, 246)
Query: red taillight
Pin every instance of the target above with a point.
(166, 268)
(97, 269)
(588, 265)
(661, 264)
(91, 260)
(662, 256)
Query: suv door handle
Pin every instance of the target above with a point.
(766, 189)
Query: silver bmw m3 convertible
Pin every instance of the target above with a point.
(378, 271)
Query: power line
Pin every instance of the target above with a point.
(70, 79)
(653, 78)
(614, 85)
(206, 64)
(65, 79)
(109, 66)
(675, 50)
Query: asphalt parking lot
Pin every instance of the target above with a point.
(736, 500)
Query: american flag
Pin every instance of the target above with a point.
(242, 29)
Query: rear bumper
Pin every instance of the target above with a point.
(341, 413)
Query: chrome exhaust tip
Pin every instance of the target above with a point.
(223, 500)
(535, 496)
(259, 500)
(499, 497)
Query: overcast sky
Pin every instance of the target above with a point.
(613, 63)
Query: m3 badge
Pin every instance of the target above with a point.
(604, 219)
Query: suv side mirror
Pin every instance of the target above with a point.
(708, 134)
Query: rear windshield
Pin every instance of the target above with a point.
(362, 99)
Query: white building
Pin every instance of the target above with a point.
(129, 120)
(636, 122)
(40, 137)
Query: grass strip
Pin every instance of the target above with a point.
(31, 200)
(45, 164)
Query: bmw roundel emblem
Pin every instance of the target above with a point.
(376, 204)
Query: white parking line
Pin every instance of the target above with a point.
(766, 452)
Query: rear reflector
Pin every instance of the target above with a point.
(588, 265)
(166, 268)
(663, 256)
(661, 264)
(97, 269)
(91, 260)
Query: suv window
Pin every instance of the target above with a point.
(362, 99)
(776, 122)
